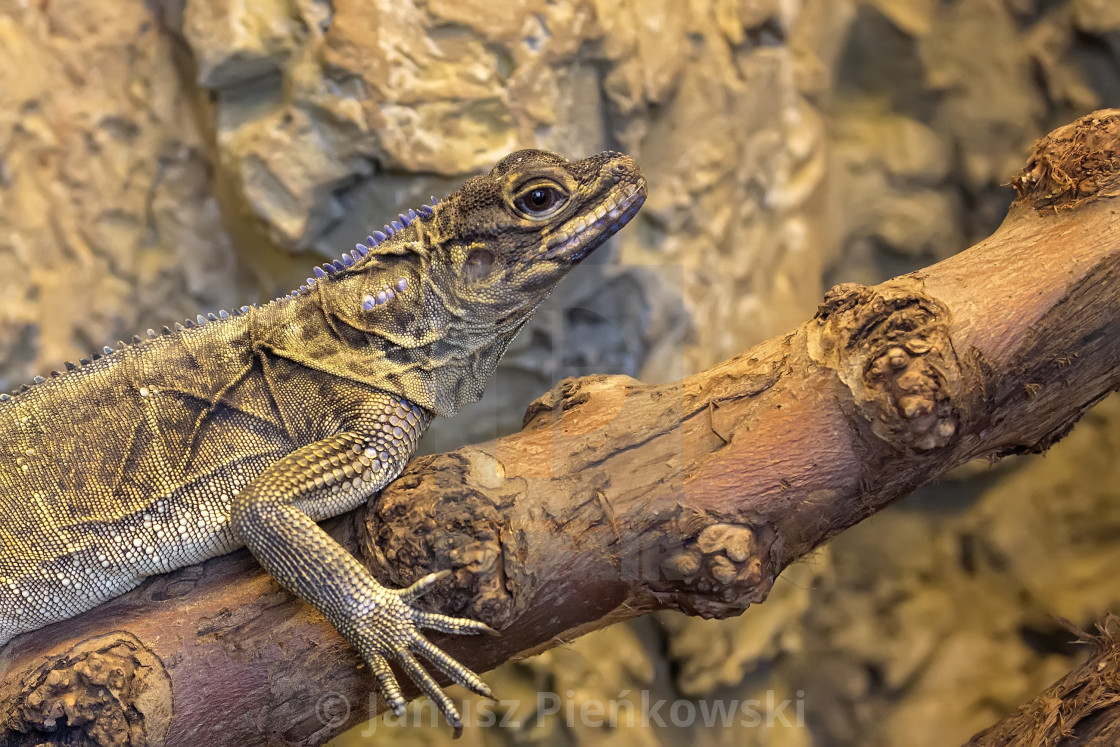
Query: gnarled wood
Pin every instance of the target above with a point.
(619, 498)
(1083, 708)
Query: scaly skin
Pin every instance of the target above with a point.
(247, 429)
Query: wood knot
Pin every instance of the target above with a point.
(717, 570)
(438, 515)
(1073, 164)
(890, 345)
(109, 690)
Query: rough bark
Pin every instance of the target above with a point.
(1083, 708)
(619, 498)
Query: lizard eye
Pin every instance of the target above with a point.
(540, 200)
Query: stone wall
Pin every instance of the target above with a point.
(165, 159)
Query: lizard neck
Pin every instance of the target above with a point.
(419, 351)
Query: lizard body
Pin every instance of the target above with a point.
(247, 428)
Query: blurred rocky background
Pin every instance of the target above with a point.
(162, 159)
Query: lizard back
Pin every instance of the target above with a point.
(125, 467)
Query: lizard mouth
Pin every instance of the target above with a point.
(582, 235)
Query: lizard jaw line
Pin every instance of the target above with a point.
(586, 232)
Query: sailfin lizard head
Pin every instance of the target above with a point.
(429, 304)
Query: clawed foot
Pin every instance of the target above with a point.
(391, 631)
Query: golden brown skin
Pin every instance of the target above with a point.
(249, 428)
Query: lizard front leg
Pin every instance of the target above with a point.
(274, 516)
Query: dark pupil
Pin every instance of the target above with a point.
(540, 198)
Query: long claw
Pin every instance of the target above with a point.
(431, 688)
(454, 625)
(387, 682)
(453, 669)
(389, 629)
(419, 588)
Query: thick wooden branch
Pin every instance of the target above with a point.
(619, 498)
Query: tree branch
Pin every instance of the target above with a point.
(1083, 708)
(619, 498)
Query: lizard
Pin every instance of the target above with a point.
(248, 428)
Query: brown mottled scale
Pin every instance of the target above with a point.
(153, 491)
(249, 429)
